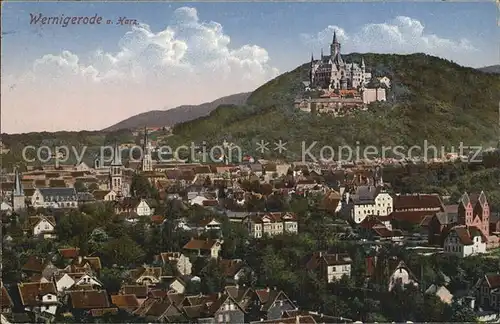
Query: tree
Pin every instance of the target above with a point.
(80, 186)
(458, 313)
(111, 279)
(141, 187)
(122, 251)
(212, 278)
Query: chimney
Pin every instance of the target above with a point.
(80, 259)
(320, 254)
(274, 288)
(219, 295)
(267, 289)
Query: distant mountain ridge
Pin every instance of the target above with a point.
(181, 114)
(491, 69)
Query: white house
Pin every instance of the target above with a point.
(82, 167)
(146, 275)
(105, 195)
(5, 207)
(464, 241)
(86, 280)
(369, 200)
(401, 275)
(207, 247)
(64, 282)
(331, 267)
(43, 226)
(38, 297)
(54, 198)
(175, 285)
(385, 81)
(234, 269)
(180, 261)
(134, 207)
(198, 200)
(271, 224)
(209, 224)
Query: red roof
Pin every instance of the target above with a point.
(416, 202)
(69, 253)
(196, 244)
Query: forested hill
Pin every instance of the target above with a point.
(430, 99)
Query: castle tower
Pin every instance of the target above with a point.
(116, 172)
(18, 198)
(147, 161)
(363, 69)
(351, 76)
(336, 58)
(311, 71)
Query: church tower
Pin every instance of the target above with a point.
(116, 172)
(18, 198)
(147, 161)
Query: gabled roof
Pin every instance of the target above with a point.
(145, 271)
(493, 280)
(328, 259)
(58, 194)
(230, 267)
(31, 292)
(140, 291)
(466, 234)
(365, 195)
(418, 201)
(267, 297)
(89, 299)
(242, 295)
(35, 220)
(35, 264)
(125, 301)
(197, 244)
(5, 299)
(272, 217)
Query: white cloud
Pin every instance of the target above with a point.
(401, 35)
(189, 62)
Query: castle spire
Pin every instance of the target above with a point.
(321, 54)
(334, 37)
(312, 57)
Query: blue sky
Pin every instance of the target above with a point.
(265, 39)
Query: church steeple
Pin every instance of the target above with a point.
(147, 162)
(145, 144)
(18, 199)
(334, 41)
(117, 158)
(18, 188)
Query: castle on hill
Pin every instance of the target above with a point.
(332, 72)
(342, 86)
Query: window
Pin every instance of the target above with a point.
(221, 318)
(228, 318)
